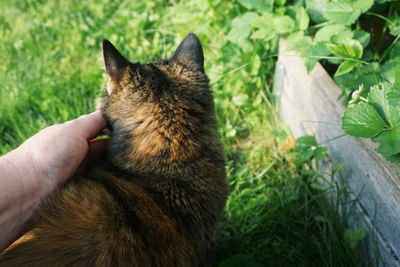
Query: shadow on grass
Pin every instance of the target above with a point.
(278, 219)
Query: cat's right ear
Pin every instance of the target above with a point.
(115, 62)
(190, 52)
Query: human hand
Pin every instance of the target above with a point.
(58, 151)
(31, 172)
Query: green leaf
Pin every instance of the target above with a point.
(296, 41)
(263, 21)
(264, 34)
(377, 97)
(241, 27)
(393, 158)
(348, 48)
(346, 12)
(305, 147)
(265, 29)
(283, 24)
(352, 237)
(389, 141)
(307, 140)
(280, 2)
(316, 9)
(346, 66)
(364, 74)
(393, 95)
(380, 96)
(343, 35)
(327, 32)
(362, 120)
(362, 5)
(338, 168)
(395, 50)
(259, 5)
(240, 100)
(317, 186)
(302, 19)
(341, 13)
(363, 37)
(320, 153)
(311, 55)
(394, 27)
(391, 70)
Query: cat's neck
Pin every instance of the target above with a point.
(160, 151)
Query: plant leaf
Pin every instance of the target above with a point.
(283, 24)
(377, 97)
(307, 140)
(259, 5)
(346, 66)
(365, 74)
(393, 96)
(362, 5)
(241, 27)
(363, 37)
(391, 70)
(352, 237)
(394, 27)
(302, 19)
(348, 48)
(389, 141)
(316, 9)
(341, 13)
(320, 153)
(327, 32)
(362, 120)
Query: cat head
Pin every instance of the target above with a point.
(160, 113)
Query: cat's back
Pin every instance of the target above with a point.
(101, 219)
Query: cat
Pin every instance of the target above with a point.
(157, 196)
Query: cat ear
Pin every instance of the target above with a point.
(114, 61)
(190, 52)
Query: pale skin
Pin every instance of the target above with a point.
(39, 166)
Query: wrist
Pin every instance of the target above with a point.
(21, 178)
(21, 196)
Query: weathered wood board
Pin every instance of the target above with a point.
(308, 104)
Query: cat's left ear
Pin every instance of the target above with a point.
(114, 61)
(190, 52)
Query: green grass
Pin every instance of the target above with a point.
(51, 71)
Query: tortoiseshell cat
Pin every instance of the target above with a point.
(157, 197)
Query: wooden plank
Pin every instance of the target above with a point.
(308, 104)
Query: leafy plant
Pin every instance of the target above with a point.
(377, 117)
(307, 149)
(367, 65)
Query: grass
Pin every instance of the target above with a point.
(51, 71)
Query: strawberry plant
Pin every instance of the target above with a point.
(376, 117)
(357, 41)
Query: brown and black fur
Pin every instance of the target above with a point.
(156, 199)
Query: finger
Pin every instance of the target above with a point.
(89, 125)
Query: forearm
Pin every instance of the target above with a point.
(20, 195)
